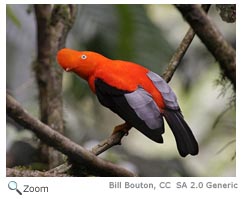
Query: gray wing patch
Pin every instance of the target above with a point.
(167, 93)
(145, 107)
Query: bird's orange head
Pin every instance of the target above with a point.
(84, 63)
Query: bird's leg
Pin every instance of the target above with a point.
(114, 139)
(125, 127)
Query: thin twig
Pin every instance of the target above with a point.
(225, 146)
(63, 168)
(178, 55)
(219, 117)
(180, 51)
(76, 153)
(112, 140)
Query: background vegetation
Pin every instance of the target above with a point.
(145, 34)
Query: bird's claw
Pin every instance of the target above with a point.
(122, 128)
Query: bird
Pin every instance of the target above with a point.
(142, 98)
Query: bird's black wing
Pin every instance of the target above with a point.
(137, 108)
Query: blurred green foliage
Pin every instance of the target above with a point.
(12, 16)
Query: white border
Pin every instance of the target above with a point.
(99, 187)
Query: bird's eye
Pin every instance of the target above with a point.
(83, 56)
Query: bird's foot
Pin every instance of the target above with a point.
(122, 128)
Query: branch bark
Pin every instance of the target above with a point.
(53, 25)
(212, 39)
(76, 153)
(112, 140)
(178, 55)
(12, 172)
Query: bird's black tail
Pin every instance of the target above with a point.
(185, 140)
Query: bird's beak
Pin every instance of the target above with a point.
(66, 59)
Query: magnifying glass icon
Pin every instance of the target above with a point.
(12, 185)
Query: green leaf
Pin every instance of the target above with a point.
(12, 16)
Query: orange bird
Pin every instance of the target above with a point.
(139, 96)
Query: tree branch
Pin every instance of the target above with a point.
(212, 38)
(14, 172)
(53, 25)
(112, 140)
(178, 55)
(76, 153)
